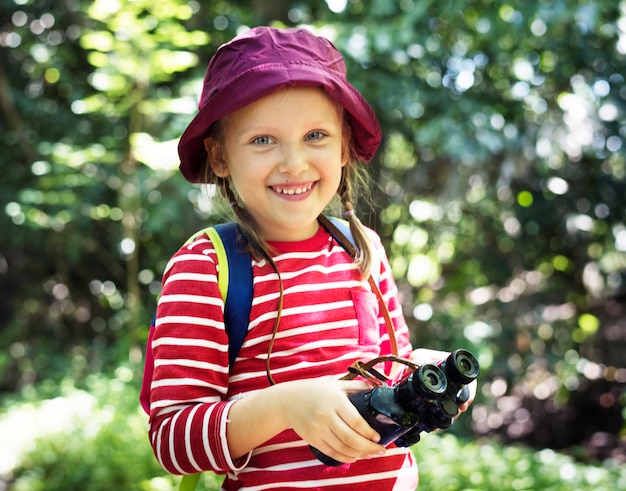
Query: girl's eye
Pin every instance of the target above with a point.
(262, 140)
(314, 135)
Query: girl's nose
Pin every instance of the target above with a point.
(294, 160)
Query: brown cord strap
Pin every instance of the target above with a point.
(385, 311)
(373, 376)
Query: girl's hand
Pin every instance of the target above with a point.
(321, 414)
(472, 387)
(422, 356)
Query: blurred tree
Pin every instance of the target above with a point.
(501, 175)
(93, 99)
(504, 165)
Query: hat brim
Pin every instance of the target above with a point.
(263, 80)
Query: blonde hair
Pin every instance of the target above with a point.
(354, 182)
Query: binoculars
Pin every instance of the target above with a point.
(426, 399)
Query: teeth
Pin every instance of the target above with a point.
(292, 191)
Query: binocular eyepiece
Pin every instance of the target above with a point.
(427, 399)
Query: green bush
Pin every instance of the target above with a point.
(95, 440)
(447, 463)
(104, 446)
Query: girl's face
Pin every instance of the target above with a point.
(283, 155)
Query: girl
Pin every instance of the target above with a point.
(280, 132)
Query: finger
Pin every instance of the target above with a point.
(356, 433)
(349, 445)
(355, 423)
(422, 356)
(329, 451)
(471, 387)
(352, 386)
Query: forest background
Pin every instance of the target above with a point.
(500, 198)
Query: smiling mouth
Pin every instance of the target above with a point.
(293, 190)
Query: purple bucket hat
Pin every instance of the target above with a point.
(262, 61)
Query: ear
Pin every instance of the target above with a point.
(346, 140)
(346, 151)
(216, 158)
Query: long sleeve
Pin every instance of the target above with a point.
(188, 410)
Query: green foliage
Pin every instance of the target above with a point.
(449, 464)
(504, 168)
(87, 440)
(91, 212)
(93, 439)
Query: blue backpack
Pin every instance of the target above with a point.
(235, 285)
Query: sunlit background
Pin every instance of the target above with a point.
(500, 198)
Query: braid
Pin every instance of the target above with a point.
(365, 255)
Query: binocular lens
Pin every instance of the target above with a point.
(464, 367)
(430, 379)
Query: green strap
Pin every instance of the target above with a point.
(222, 260)
(196, 235)
(189, 482)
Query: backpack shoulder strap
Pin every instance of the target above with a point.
(344, 227)
(339, 229)
(234, 282)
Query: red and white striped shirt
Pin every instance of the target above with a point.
(330, 319)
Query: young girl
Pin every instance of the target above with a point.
(280, 132)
